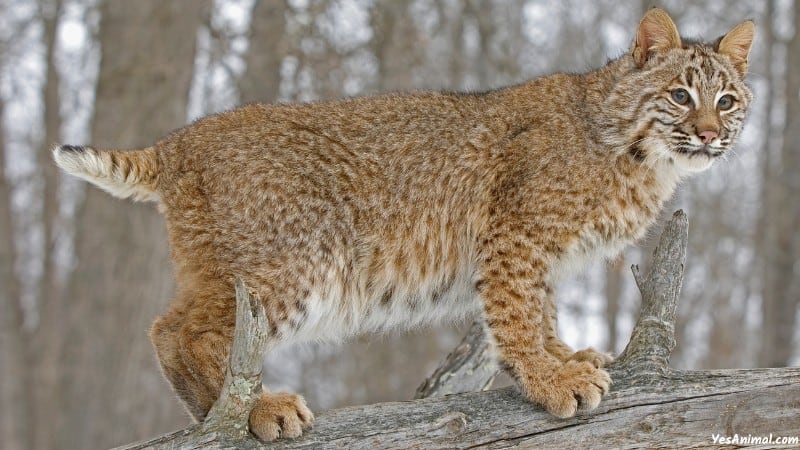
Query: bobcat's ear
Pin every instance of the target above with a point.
(657, 32)
(736, 45)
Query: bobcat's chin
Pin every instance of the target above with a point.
(695, 158)
(683, 159)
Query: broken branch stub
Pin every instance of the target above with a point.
(242, 385)
(653, 337)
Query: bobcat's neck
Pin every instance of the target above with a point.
(617, 129)
(609, 125)
(577, 132)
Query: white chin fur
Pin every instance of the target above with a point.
(692, 163)
(684, 164)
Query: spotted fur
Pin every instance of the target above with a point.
(397, 211)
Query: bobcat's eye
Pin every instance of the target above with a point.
(681, 96)
(725, 103)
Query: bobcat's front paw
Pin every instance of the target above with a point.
(573, 385)
(592, 356)
(280, 415)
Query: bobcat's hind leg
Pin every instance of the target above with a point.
(193, 355)
(193, 348)
(164, 336)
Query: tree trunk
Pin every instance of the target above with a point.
(123, 279)
(395, 45)
(15, 413)
(267, 46)
(49, 333)
(781, 242)
(50, 12)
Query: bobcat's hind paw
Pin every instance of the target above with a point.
(280, 415)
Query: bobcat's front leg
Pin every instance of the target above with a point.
(558, 348)
(514, 293)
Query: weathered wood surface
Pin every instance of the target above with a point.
(679, 409)
(650, 405)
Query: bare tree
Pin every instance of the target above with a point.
(15, 414)
(50, 11)
(44, 358)
(112, 390)
(395, 45)
(780, 242)
(267, 47)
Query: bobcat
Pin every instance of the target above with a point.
(394, 211)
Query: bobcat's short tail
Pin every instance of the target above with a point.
(124, 174)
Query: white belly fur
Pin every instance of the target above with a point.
(331, 317)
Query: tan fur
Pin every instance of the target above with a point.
(736, 45)
(396, 211)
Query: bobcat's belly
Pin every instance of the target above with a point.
(338, 310)
(605, 237)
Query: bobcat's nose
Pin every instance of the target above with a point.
(707, 136)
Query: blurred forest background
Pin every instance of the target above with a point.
(82, 275)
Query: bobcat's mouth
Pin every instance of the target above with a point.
(703, 150)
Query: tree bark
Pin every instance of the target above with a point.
(682, 409)
(650, 405)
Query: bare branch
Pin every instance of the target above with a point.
(242, 384)
(470, 367)
(653, 335)
(679, 410)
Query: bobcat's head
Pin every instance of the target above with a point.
(683, 103)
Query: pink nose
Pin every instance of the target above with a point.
(707, 136)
